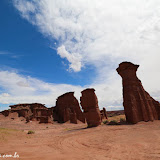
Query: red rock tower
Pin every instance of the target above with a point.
(138, 104)
(89, 104)
(68, 109)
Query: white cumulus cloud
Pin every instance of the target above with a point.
(73, 58)
(17, 88)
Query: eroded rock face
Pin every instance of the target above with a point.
(5, 113)
(89, 104)
(103, 114)
(33, 111)
(138, 104)
(67, 109)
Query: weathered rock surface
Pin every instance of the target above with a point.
(33, 111)
(103, 114)
(13, 115)
(5, 113)
(138, 104)
(67, 109)
(89, 103)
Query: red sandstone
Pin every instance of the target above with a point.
(33, 111)
(138, 104)
(67, 109)
(89, 103)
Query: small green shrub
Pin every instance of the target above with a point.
(113, 122)
(105, 122)
(122, 120)
(31, 132)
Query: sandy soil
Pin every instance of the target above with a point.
(75, 142)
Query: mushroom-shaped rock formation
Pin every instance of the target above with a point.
(89, 103)
(67, 108)
(138, 104)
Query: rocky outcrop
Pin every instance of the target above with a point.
(103, 114)
(89, 103)
(138, 104)
(5, 113)
(33, 111)
(67, 109)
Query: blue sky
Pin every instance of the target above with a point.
(49, 47)
(27, 50)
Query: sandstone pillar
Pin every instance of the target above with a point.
(138, 104)
(89, 104)
(67, 108)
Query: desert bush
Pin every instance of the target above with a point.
(122, 120)
(113, 122)
(31, 132)
(105, 122)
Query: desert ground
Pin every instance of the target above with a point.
(76, 142)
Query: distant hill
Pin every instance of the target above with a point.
(115, 113)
